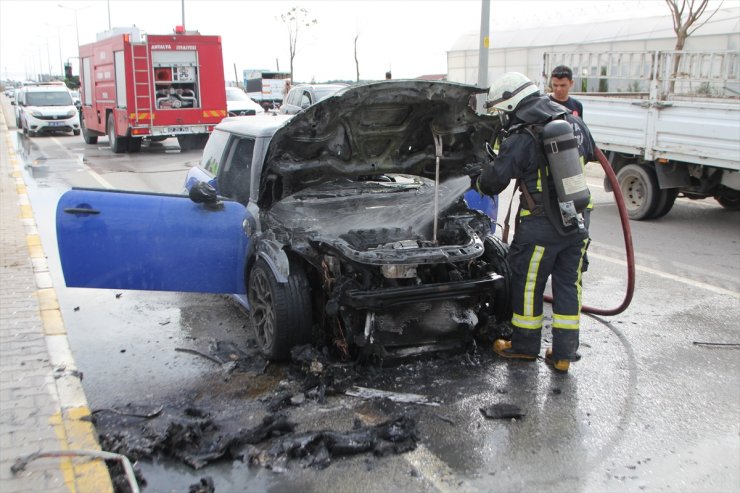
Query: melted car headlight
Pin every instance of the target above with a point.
(36, 113)
(71, 113)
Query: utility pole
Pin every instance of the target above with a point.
(485, 16)
(182, 3)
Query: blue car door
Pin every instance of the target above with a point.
(156, 242)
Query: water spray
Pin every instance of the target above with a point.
(438, 153)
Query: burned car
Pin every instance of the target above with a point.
(351, 222)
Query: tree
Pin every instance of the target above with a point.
(685, 13)
(295, 19)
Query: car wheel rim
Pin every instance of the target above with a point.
(263, 314)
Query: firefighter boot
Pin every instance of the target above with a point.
(502, 347)
(560, 365)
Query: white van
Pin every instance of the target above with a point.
(46, 108)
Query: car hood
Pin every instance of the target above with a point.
(374, 129)
(232, 106)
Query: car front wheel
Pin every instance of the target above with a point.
(280, 312)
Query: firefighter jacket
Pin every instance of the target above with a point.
(521, 155)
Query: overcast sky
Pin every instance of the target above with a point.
(410, 37)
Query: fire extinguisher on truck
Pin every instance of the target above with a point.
(135, 86)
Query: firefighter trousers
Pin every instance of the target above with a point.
(537, 253)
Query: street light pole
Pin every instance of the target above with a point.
(77, 26)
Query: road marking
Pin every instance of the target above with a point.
(672, 277)
(436, 471)
(95, 176)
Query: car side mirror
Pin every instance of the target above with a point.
(204, 193)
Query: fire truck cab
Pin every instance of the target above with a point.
(136, 86)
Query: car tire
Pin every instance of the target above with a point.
(117, 144)
(280, 312)
(639, 186)
(86, 136)
(496, 253)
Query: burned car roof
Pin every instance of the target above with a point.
(377, 128)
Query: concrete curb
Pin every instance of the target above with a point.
(71, 422)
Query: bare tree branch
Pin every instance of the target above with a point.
(294, 20)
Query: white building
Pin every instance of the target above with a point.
(521, 50)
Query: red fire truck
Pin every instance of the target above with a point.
(136, 86)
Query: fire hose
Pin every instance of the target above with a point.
(627, 244)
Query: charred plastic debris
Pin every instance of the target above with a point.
(193, 432)
(183, 431)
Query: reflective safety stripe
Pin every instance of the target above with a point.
(524, 322)
(524, 212)
(539, 181)
(531, 283)
(580, 273)
(141, 116)
(566, 321)
(216, 113)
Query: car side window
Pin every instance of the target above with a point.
(234, 179)
(214, 152)
(305, 100)
(293, 97)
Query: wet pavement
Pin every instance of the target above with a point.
(646, 409)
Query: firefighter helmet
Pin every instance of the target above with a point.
(509, 90)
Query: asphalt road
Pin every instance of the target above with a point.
(646, 409)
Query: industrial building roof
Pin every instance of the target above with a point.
(725, 21)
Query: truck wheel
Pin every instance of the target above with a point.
(189, 142)
(86, 136)
(117, 144)
(280, 312)
(730, 200)
(666, 199)
(640, 191)
(134, 144)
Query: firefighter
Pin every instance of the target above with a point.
(550, 237)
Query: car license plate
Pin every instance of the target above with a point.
(56, 124)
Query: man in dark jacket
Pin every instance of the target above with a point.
(561, 81)
(545, 244)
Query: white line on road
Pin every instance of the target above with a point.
(87, 168)
(672, 277)
(437, 472)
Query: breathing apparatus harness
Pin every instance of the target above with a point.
(557, 146)
(617, 197)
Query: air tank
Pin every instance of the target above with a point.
(561, 148)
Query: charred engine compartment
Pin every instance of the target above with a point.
(387, 283)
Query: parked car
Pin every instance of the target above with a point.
(10, 92)
(46, 107)
(302, 96)
(322, 223)
(76, 99)
(239, 104)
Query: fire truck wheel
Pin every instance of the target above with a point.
(117, 144)
(89, 139)
(189, 142)
(134, 144)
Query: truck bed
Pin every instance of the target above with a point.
(698, 132)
